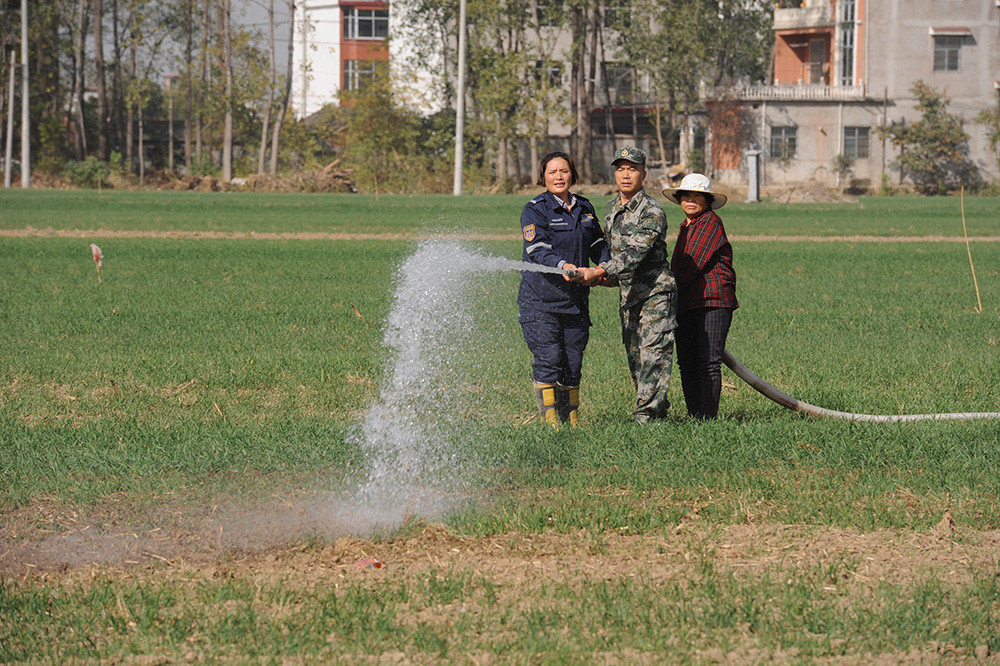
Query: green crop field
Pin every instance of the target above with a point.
(219, 371)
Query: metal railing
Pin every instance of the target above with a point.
(790, 93)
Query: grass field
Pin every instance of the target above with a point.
(171, 440)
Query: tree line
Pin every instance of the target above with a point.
(110, 78)
(532, 64)
(105, 76)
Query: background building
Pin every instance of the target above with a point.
(844, 68)
(337, 44)
(840, 70)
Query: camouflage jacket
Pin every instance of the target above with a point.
(640, 260)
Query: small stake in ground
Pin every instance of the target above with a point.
(969, 250)
(98, 260)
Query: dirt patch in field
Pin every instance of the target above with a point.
(47, 537)
(276, 545)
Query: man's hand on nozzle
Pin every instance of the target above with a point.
(592, 276)
(571, 273)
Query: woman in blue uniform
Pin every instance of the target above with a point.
(560, 230)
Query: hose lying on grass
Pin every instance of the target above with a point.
(788, 401)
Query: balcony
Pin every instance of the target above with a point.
(814, 15)
(785, 93)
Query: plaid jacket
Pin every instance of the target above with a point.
(702, 264)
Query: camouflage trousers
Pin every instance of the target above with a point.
(648, 334)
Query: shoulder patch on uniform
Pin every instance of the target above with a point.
(586, 217)
(529, 232)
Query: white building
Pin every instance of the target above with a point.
(337, 43)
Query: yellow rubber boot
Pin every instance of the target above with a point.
(545, 396)
(568, 400)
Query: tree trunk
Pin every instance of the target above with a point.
(591, 101)
(101, 82)
(659, 134)
(142, 147)
(227, 75)
(518, 171)
(271, 84)
(129, 97)
(287, 96)
(577, 91)
(533, 158)
(200, 119)
(501, 160)
(188, 85)
(118, 103)
(79, 41)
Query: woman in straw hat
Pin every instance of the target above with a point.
(702, 264)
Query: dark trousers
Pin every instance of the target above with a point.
(701, 338)
(557, 343)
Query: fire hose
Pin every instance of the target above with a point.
(794, 404)
(797, 405)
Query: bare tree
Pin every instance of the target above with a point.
(133, 69)
(584, 22)
(79, 40)
(100, 81)
(118, 83)
(188, 81)
(272, 76)
(226, 66)
(287, 95)
(203, 83)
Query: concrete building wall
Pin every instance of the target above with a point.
(894, 44)
(316, 56)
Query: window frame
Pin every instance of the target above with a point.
(375, 20)
(785, 137)
(549, 13)
(550, 72)
(618, 14)
(357, 74)
(948, 48)
(614, 72)
(816, 67)
(854, 138)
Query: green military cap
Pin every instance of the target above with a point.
(631, 154)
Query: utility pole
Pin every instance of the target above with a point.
(25, 116)
(9, 153)
(460, 106)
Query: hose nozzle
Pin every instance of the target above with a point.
(571, 273)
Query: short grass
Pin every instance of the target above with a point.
(700, 615)
(204, 367)
(489, 214)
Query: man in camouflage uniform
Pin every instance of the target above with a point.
(636, 227)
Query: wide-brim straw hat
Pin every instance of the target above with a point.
(696, 182)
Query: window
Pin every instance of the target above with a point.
(550, 12)
(366, 23)
(357, 73)
(618, 14)
(857, 142)
(847, 28)
(620, 82)
(946, 51)
(783, 143)
(817, 61)
(550, 73)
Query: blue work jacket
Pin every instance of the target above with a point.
(552, 236)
